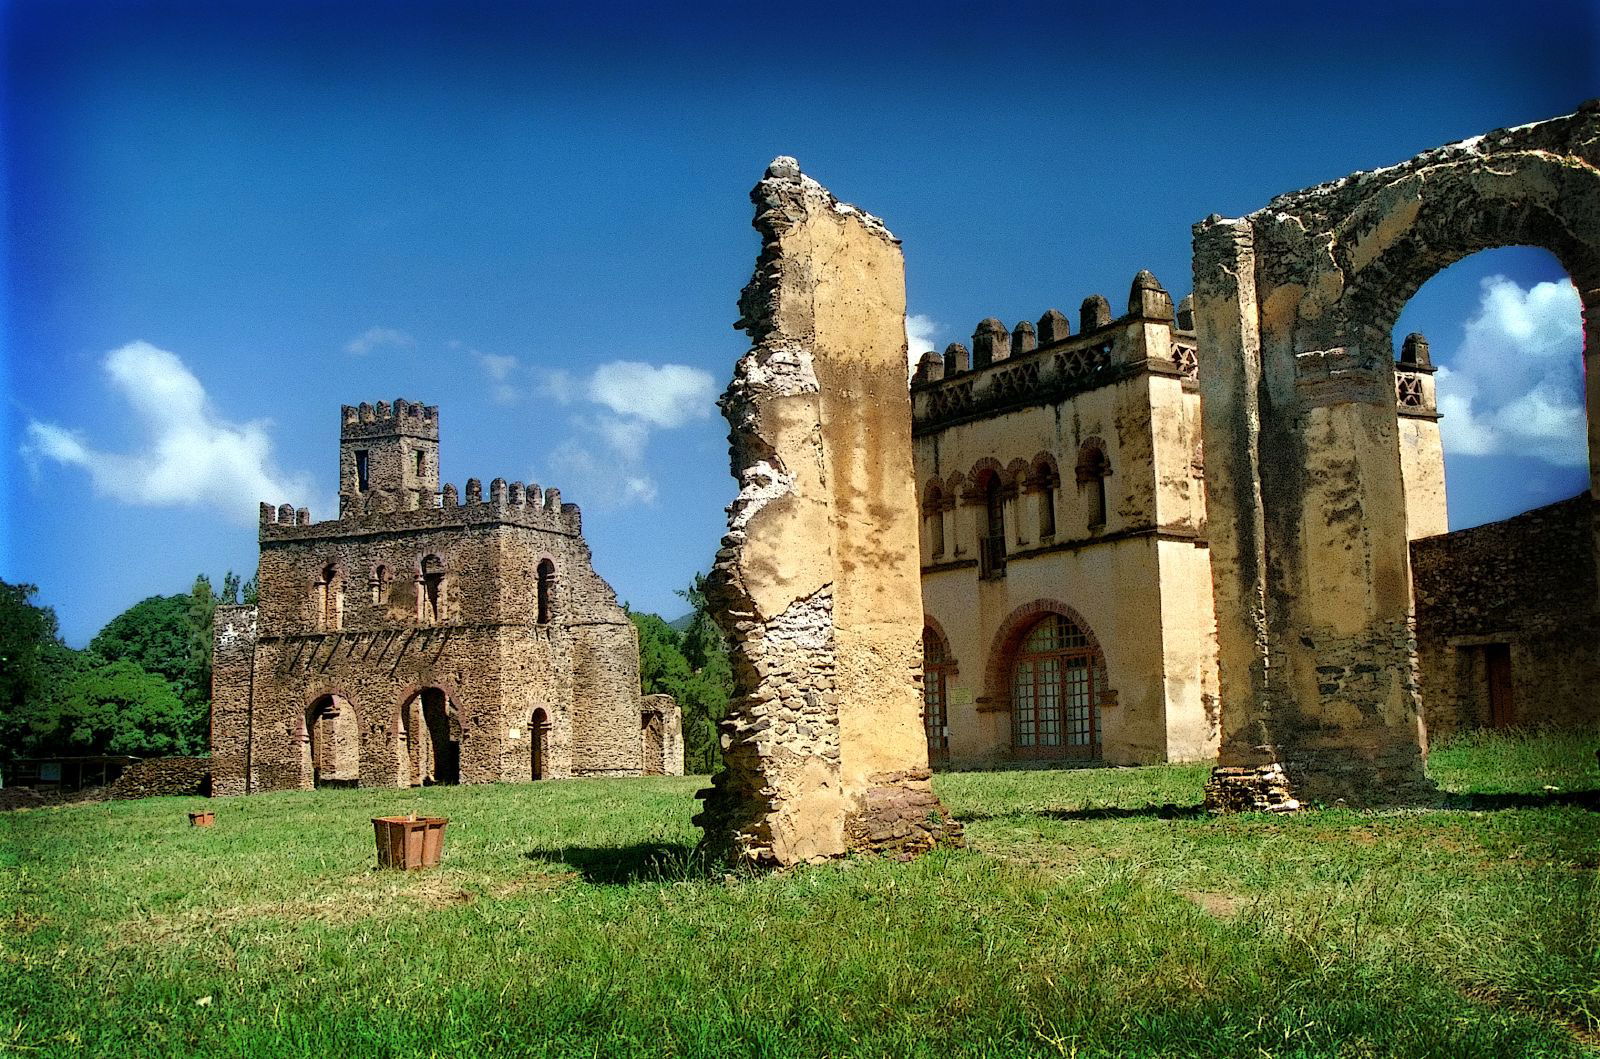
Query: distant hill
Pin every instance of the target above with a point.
(682, 624)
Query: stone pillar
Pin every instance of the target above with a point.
(1308, 547)
(233, 655)
(818, 581)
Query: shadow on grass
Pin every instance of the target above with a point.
(623, 865)
(1169, 811)
(1589, 800)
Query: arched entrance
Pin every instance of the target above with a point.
(1295, 306)
(428, 739)
(330, 741)
(539, 744)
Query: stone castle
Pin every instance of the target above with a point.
(423, 637)
(1066, 576)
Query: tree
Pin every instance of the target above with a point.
(28, 642)
(120, 708)
(156, 634)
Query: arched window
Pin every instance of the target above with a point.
(329, 598)
(1055, 684)
(547, 591)
(432, 599)
(1093, 469)
(380, 577)
(992, 551)
(936, 667)
(933, 517)
(1047, 483)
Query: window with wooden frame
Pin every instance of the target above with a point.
(1056, 681)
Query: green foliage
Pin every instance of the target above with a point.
(28, 641)
(692, 666)
(143, 687)
(120, 708)
(153, 633)
(1097, 912)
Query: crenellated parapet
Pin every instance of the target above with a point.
(407, 418)
(1045, 362)
(1414, 393)
(510, 503)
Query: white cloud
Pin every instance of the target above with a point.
(609, 481)
(608, 452)
(191, 455)
(920, 337)
(501, 369)
(666, 395)
(379, 338)
(1515, 383)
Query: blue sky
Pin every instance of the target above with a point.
(223, 220)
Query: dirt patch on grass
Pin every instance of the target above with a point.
(1218, 905)
(351, 900)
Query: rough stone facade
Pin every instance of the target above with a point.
(1508, 621)
(1065, 574)
(661, 736)
(1305, 481)
(816, 584)
(422, 637)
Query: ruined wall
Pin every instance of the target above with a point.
(1295, 306)
(817, 582)
(233, 630)
(1528, 582)
(661, 735)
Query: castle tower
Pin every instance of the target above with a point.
(1421, 449)
(390, 453)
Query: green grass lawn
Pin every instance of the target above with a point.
(1097, 912)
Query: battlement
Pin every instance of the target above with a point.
(402, 419)
(506, 503)
(1032, 363)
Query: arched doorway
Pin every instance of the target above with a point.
(937, 664)
(539, 744)
(1055, 682)
(330, 740)
(428, 740)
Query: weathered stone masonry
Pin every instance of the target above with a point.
(422, 637)
(817, 581)
(1526, 590)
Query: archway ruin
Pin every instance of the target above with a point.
(1295, 303)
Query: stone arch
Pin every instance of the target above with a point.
(546, 574)
(938, 666)
(539, 727)
(1003, 645)
(986, 468)
(329, 736)
(1295, 306)
(433, 589)
(929, 622)
(433, 721)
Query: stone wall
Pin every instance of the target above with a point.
(1528, 583)
(163, 776)
(661, 735)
